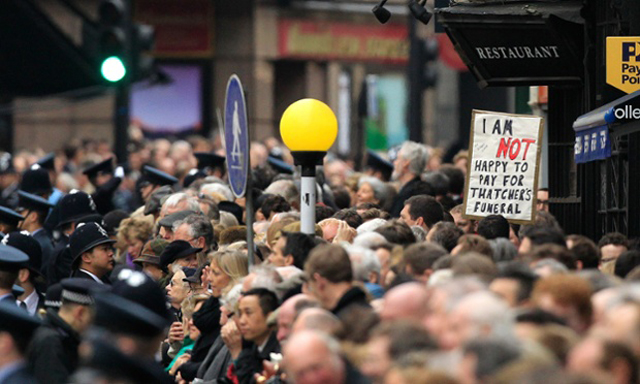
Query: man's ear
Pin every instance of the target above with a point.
(288, 260)
(86, 257)
(420, 222)
(23, 275)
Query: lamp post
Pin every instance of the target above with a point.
(308, 128)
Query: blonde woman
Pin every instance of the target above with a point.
(225, 270)
(134, 232)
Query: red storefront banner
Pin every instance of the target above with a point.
(341, 41)
(182, 27)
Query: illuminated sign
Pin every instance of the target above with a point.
(623, 63)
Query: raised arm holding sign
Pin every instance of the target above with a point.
(502, 178)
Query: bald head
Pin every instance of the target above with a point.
(313, 358)
(406, 301)
(317, 319)
(287, 314)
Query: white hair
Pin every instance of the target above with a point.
(232, 297)
(369, 239)
(228, 219)
(370, 226)
(284, 188)
(379, 188)
(417, 156)
(419, 233)
(363, 261)
(217, 188)
(172, 201)
(265, 277)
(489, 315)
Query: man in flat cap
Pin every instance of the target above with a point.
(16, 330)
(35, 210)
(29, 276)
(9, 181)
(9, 220)
(106, 182)
(92, 252)
(53, 354)
(11, 261)
(151, 180)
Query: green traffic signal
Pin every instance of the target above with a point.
(113, 69)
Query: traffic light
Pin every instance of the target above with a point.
(428, 56)
(123, 44)
(142, 41)
(113, 40)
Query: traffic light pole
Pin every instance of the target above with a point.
(416, 88)
(121, 120)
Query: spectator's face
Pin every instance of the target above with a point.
(252, 321)
(586, 357)
(506, 289)
(377, 360)
(465, 224)
(276, 257)
(365, 194)
(313, 364)
(182, 233)
(152, 271)
(543, 201)
(134, 247)
(166, 234)
(217, 279)
(610, 252)
(384, 256)
(177, 289)
(190, 261)
(329, 231)
(400, 166)
(146, 191)
(194, 332)
(405, 217)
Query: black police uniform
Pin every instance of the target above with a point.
(83, 239)
(53, 353)
(16, 322)
(11, 260)
(31, 248)
(103, 195)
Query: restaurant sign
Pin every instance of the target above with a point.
(341, 41)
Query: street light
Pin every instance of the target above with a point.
(308, 128)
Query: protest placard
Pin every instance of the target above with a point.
(504, 161)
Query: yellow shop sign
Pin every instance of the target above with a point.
(623, 63)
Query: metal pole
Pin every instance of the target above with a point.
(415, 74)
(249, 208)
(123, 90)
(308, 199)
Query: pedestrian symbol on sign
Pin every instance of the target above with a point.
(236, 152)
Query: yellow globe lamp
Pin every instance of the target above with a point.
(309, 125)
(308, 128)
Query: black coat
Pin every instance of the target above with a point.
(42, 237)
(84, 275)
(250, 360)
(353, 297)
(411, 188)
(53, 353)
(59, 266)
(103, 196)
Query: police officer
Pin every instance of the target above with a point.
(16, 330)
(35, 210)
(29, 277)
(92, 252)
(106, 182)
(74, 208)
(9, 220)
(53, 354)
(9, 181)
(11, 261)
(48, 163)
(151, 180)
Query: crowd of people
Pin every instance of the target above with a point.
(140, 272)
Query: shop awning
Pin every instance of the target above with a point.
(621, 116)
(521, 43)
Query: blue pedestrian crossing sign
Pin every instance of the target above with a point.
(236, 136)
